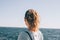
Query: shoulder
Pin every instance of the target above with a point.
(23, 33)
(23, 36)
(41, 35)
(39, 32)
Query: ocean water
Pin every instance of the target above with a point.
(8, 33)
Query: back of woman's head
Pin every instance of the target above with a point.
(32, 18)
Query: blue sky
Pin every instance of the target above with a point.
(12, 12)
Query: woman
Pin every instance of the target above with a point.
(32, 22)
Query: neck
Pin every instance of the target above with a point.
(33, 29)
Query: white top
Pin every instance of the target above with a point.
(35, 36)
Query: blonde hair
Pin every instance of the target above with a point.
(32, 18)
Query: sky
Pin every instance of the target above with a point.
(12, 12)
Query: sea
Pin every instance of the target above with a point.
(11, 33)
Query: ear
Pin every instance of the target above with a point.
(25, 21)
